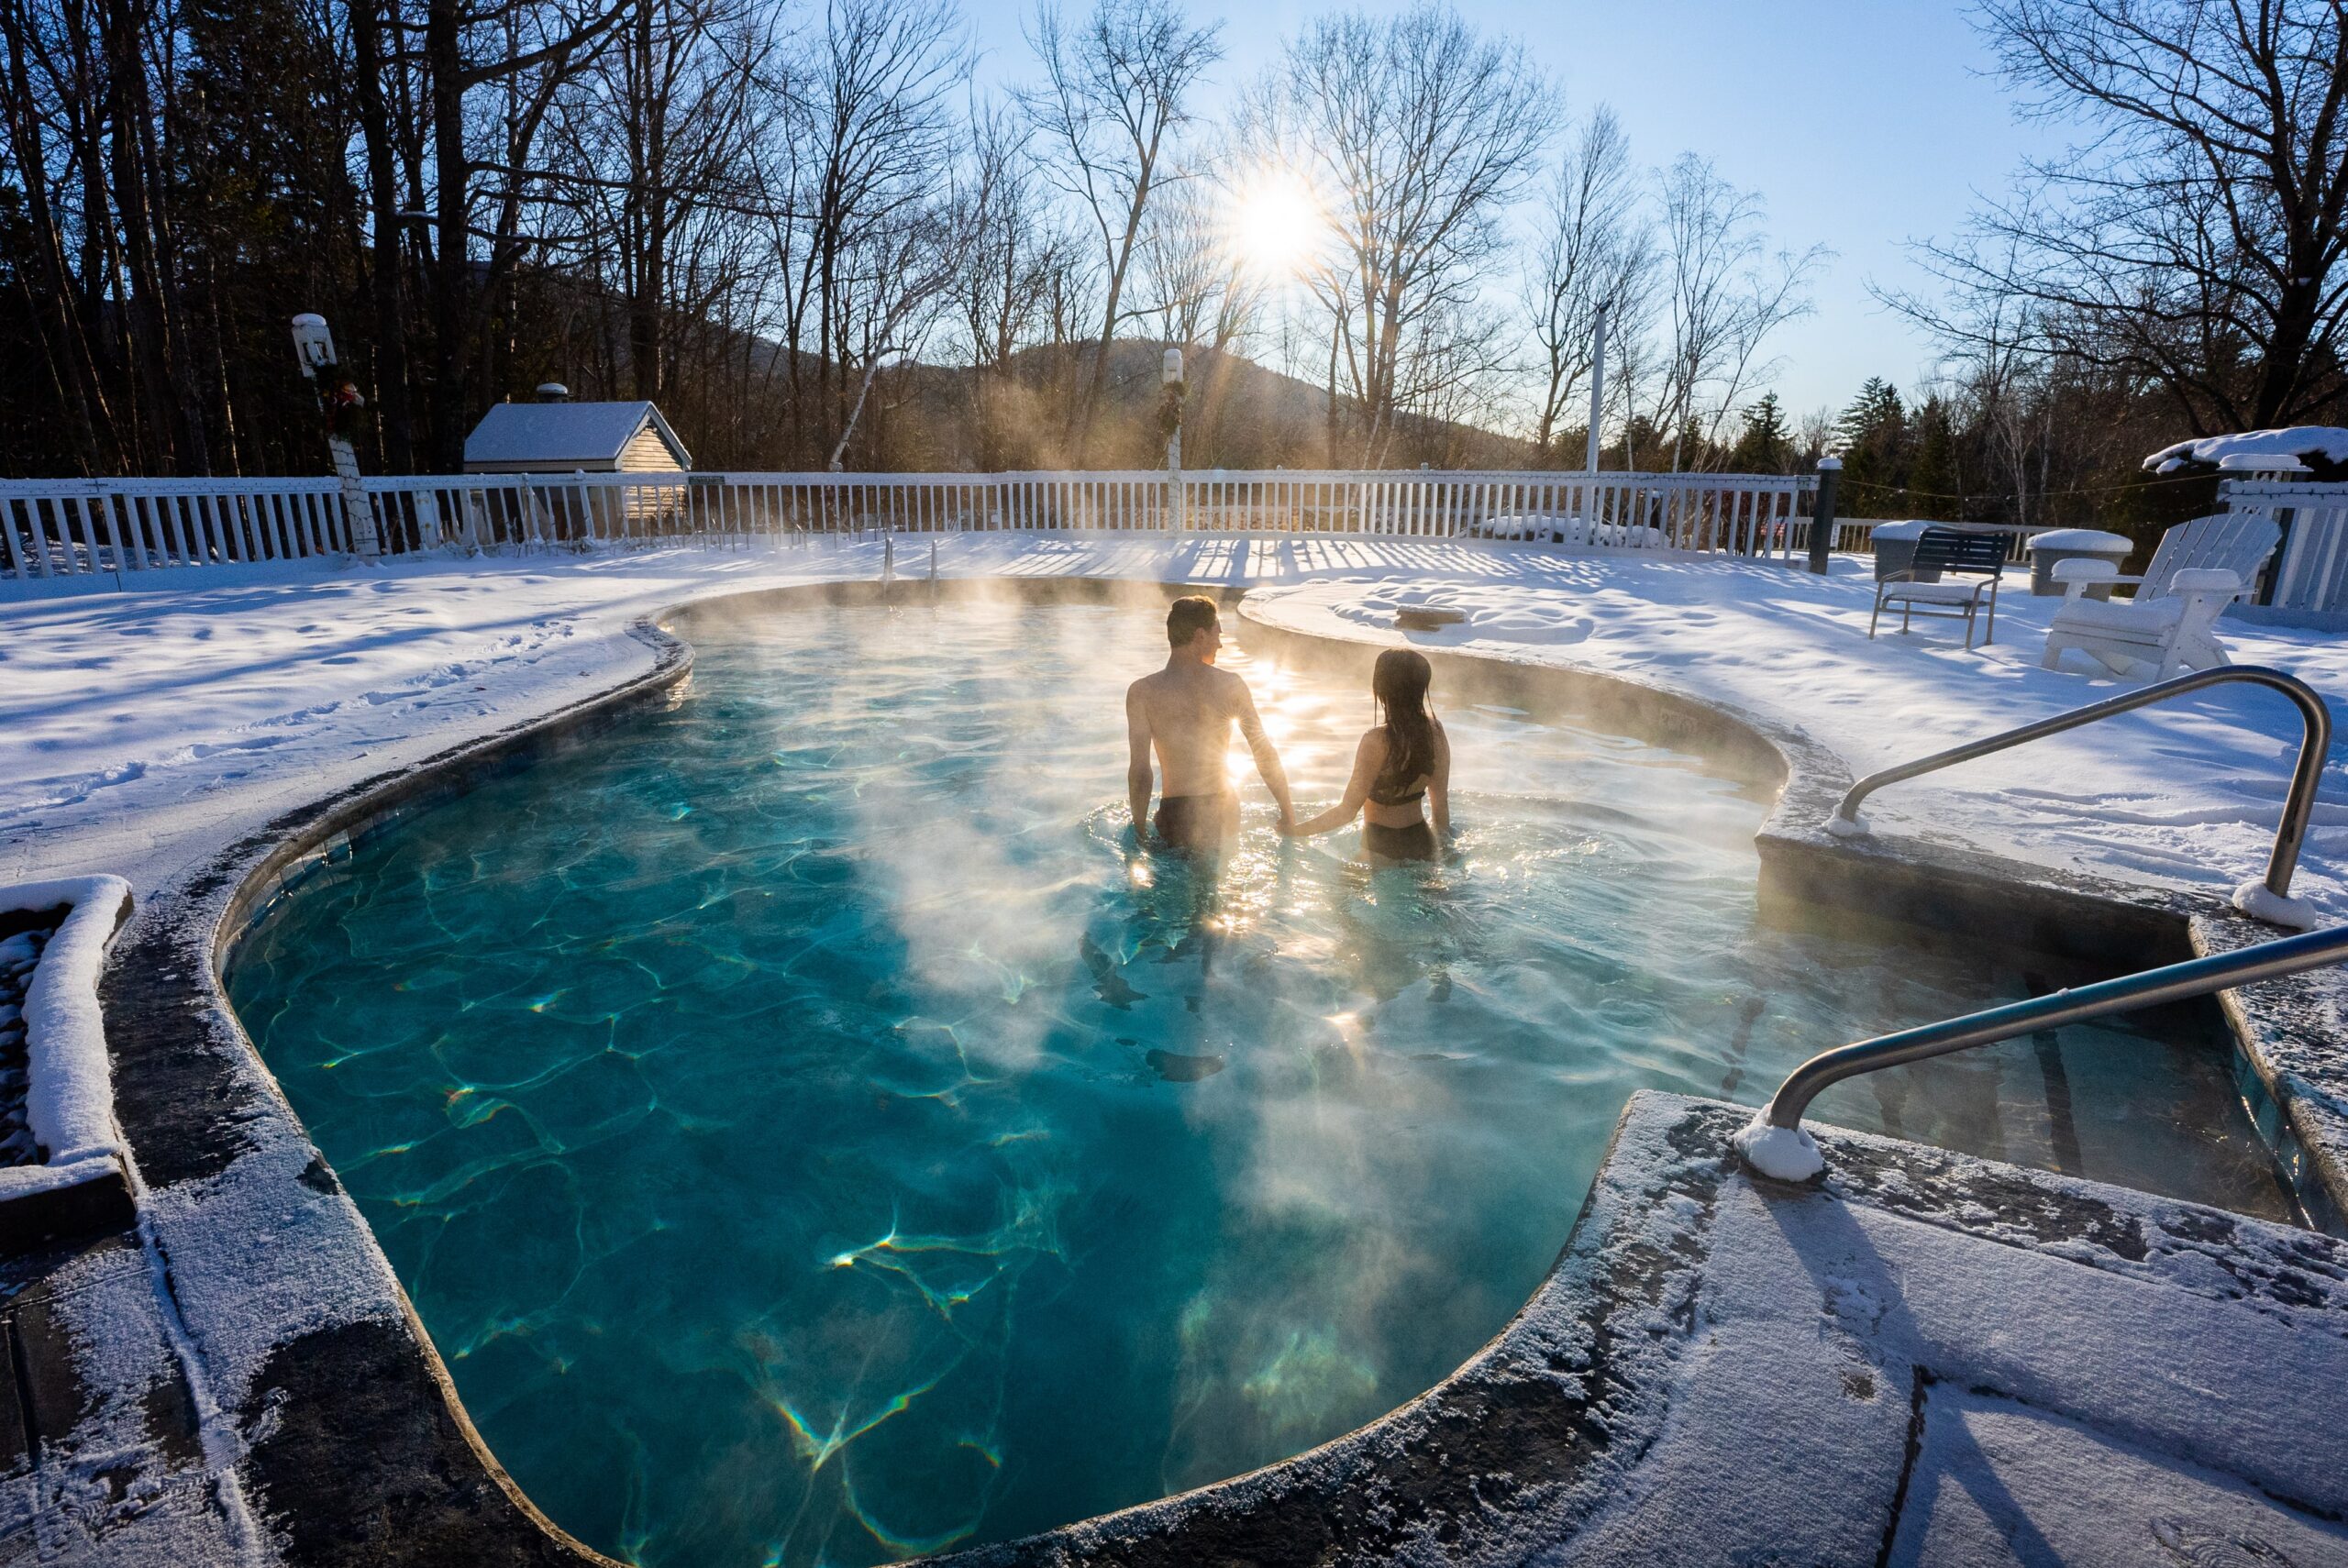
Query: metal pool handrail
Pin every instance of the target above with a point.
(2198, 977)
(2297, 806)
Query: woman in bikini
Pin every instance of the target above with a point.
(1406, 759)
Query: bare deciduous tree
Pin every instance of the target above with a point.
(1116, 91)
(1419, 132)
(1193, 286)
(874, 132)
(762, 212)
(1003, 298)
(491, 74)
(904, 271)
(2197, 238)
(1724, 293)
(1593, 253)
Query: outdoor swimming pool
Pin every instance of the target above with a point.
(812, 1135)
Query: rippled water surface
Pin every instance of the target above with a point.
(811, 1135)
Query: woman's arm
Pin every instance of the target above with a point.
(1439, 787)
(1369, 758)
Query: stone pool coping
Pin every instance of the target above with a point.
(79, 1186)
(330, 1403)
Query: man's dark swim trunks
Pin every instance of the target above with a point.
(1193, 822)
(1414, 843)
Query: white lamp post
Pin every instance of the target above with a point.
(1597, 388)
(313, 344)
(314, 351)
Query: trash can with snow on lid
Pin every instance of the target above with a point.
(2072, 544)
(1895, 547)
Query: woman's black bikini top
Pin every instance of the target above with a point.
(1381, 793)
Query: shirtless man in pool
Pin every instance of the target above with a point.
(1186, 712)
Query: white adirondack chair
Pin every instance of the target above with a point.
(2171, 625)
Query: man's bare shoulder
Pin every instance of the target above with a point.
(1229, 688)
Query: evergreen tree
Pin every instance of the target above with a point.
(1767, 445)
(1934, 479)
(1872, 436)
(1876, 418)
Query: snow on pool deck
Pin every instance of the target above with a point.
(138, 728)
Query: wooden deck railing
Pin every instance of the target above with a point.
(2310, 571)
(72, 527)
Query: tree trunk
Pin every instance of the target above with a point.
(47, 292)
(1088, 397)
(646, 215)
(386, 282)
(144, 305)
(449, 398)
(2283, 367)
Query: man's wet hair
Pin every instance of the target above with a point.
(1190, 615)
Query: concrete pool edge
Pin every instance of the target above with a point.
(361, 1445)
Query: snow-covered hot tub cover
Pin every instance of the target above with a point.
(69, 1093)
(2082, 540)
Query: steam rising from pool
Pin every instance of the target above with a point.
(813, 1131)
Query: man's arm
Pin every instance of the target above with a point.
(1139, 777)
(1268, 760)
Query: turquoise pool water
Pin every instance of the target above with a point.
(810, 1135)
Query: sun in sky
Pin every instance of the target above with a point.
(1275, 223)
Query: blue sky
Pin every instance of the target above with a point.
(1863, 125)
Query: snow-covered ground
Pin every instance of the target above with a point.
(138, 729)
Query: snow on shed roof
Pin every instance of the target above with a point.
(2328, 443)
(559, 435)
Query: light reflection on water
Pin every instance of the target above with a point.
(812, 1134)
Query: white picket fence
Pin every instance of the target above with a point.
(2310, 574)
(73, 527)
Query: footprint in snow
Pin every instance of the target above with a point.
(202, 749)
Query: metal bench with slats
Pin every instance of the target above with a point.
(1919, 591)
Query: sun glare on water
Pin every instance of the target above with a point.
(1275, 224)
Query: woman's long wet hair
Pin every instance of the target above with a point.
(1400, 684)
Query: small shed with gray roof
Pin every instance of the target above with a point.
(572, 438)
